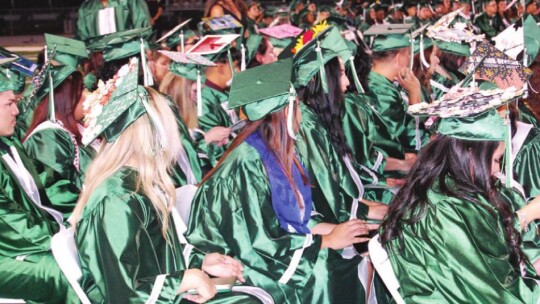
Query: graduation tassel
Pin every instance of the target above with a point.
(182, 43)
(148, 78)
(52, 110)
(357, 83)
(290, 113)
(154, 118)
(243, 52)
(199, 94)
(322, 71)
(422, 55)
(508, 150)
(411, 62)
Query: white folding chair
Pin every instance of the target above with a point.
(381, 262)
(65, 253)
(184, 197)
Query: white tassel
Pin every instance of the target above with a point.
(290, 113)
(422, 55)
(199, 95)
(182, 43)
(411, 59)
(148, 78)
(243, 52)
(162, 135)
(52, 110)
(357, 83)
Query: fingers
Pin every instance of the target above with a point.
(196, 298)
(373, 226)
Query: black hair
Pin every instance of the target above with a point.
(363, 63)
(329, 107)
(451, 62)
(460, 169)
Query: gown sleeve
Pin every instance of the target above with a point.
(54, 154)
(108, 241)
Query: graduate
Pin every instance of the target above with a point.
(393, 87)
(55, 142)
(102, 17)
(449, 237)
(488, 21)
(126, 228)
(256, 205)
(28, 222)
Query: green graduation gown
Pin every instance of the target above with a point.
(26, 262)
(526, 162)
(61, 164)
(488, 26)
(440, 83)
(129, 14)
(232, 214)
(389, 103)
(213, 115)
(333, 187)
(457, 253)
(122, 249)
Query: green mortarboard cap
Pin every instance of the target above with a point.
(461, 49)
(124, 106)
(40, 86)
(66, 51)
(125, 44)
(10, 80)
(483, 126)
(308, 61)
(187, 71)
(187, 65)
(172, 38)
(262, 90)
(389, 36)
(105, 41)
(270, 10)
(252, 45)
(428, 42)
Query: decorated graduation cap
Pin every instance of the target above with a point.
(263, 90)
(452, 36)
(10, 79)
(116, 104)
(213, 46)
(20, 64)
(470, 114)
(225, 24)
(177, 35)
(189, 66)
(314, 49)
(281, 35)
(524, 35)
(65, 50)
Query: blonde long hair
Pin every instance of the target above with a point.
(139, 147)
(179, 89)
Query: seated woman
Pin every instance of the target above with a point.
(449, 237)
(126, 225)
(256, 204)
(55, 145)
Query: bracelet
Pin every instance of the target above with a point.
(522, 218)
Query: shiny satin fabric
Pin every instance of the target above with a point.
(177, 175)
(333, 188)
(457, 253)
(232, 214)
(54, 154)
(26, 230)
(527, 164)
(437, 93)
(122, 249)
(128, 14)
(526, 114)
(387, 101)
(213, 115)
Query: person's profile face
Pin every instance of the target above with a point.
(8, 113)
(343, 79)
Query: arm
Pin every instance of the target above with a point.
(156, 17)
(216, 11)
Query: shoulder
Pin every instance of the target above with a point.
(217, 10)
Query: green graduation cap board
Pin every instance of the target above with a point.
(65, 50)
(262, 90)
(110, 117)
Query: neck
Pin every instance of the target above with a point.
(385, 69)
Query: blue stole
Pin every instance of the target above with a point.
(284, 200)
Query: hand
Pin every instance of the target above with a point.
(410, 159)
(218, 135)
(529, 212)
(346, 234)
(411, 84)
(395, 182)
(198, 280)
(222, 266)
(377, 211)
